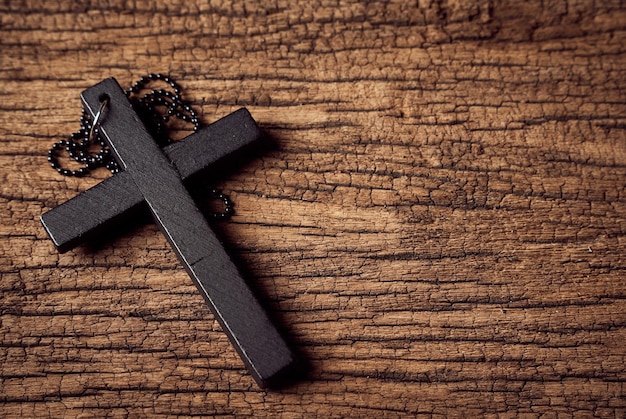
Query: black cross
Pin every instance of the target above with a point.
(154, 177)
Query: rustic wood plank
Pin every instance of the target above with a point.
(440, 229)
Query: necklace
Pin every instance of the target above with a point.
(156, 108)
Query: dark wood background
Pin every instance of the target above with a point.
(440, 229)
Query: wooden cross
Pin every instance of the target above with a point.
(153, 177)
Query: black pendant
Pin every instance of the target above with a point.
(153, 177)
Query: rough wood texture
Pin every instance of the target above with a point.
(441, 229)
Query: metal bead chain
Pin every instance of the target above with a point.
(146, 106)
(78, 145)
(228, 205)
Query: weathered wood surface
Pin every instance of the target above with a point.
(440, 229)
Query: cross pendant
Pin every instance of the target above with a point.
(153, 177)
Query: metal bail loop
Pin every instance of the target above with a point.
(96, 119)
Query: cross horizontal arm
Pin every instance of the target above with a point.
(114, 199)
(92, 212)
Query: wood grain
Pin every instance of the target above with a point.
(440, 229)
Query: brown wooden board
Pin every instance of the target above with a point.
(440, 229)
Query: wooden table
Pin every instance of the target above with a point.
(440, 229)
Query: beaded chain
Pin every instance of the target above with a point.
(79, 146)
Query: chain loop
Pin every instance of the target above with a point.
(88, 147)
(228, 205)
